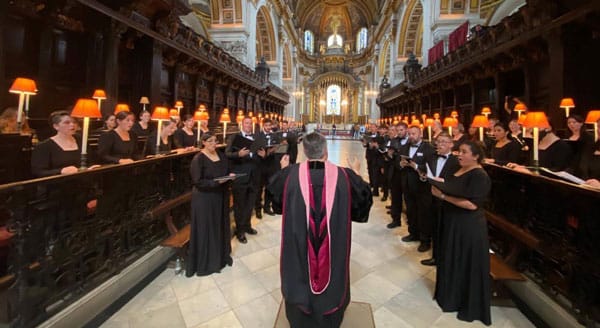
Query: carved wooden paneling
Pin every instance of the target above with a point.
(68, 234)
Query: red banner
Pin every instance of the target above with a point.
(436, 52)
(458, 37)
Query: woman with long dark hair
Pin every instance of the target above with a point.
(210, 239)
(119, 145)
(59, 154)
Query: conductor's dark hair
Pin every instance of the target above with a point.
(315, 145)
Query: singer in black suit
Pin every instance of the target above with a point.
(441, 166)
(244, 188)
(397, 144)
(417, 192)
(268, 165)
(371, 155)
(291, 138)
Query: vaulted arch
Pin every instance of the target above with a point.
(265, 35)
(411, 32)
(384, 58)
(287, 63)
(226, 12)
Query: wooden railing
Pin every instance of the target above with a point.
(62, 236)
(550, 231)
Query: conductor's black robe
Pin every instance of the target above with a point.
(315, 243)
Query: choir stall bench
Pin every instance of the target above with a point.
(501, 268)
(179, 237)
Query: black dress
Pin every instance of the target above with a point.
(111, 148)
(182, 139)
(509, 153)
(210, 239)
(150, 146)
(48, 158)
(556, 157)
(463, 272)
(140, 131)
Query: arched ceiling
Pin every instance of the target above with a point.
(320, 16)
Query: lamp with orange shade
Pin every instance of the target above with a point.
(179, 106)
(520, 108)
(199, 116)
(121, 108)
(239, 118)
(480, 122)
(454, 114)
(450, 123)
(225, 119)
(99, 95)
(429, 124)
(567, 104)
(160, 114)
(536, 121)
(592, 118)
(144, 101)
(173, 112)
(85, 108)
(486, 111)
(25, 88)
(416, 123)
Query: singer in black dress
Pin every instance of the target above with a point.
(119, 145)
(59, 154)
(463, 272)
(186, 136)
(210, 239)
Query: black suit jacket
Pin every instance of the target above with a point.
(247, 164)
(411, 180)
(450, 167)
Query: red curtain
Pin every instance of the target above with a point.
(436, 52)
(458, 37)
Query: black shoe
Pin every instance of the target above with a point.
(428, 262)
(388, 207)
(242, 238)
(409, 238)
(251, 231)
(424, 247)
(269, 211)
(258, 214)
(384, 198)
(389, 212)
(394, 224)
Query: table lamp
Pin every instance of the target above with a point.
(144, 101)
(592, 118)
(481, 122)
(450, 123)
(520, 108)
(239, 118)
(160, 114)
(179, 106)
(486, 111)
(567, 104)
(25, 88)
(536, 121)
(99, 95)
(429, 124)
(86, 109)
(199, 116)
(121, 108)
(225, 119)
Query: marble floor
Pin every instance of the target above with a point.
(385, 272)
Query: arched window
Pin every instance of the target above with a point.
(361, 39)
(335, 41)
(334, 96)
(308, 41)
